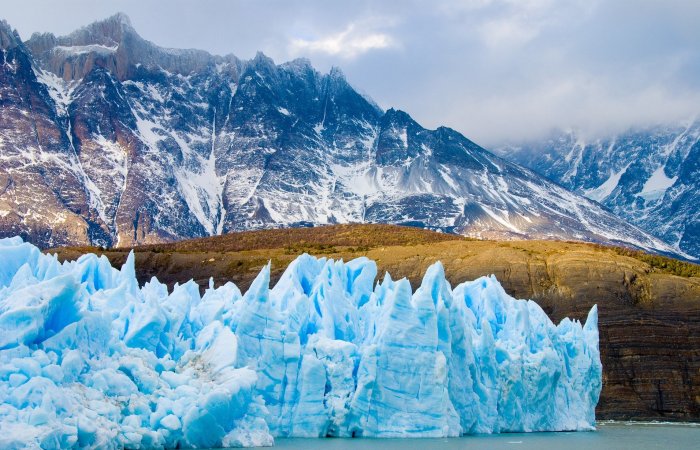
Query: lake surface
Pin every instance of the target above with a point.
(617, 436)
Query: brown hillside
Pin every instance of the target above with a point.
(649, 306)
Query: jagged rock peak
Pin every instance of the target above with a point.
(113, 43)
(4, 26)
(336, 73)
(261, 60)
(121, 18)
(397, 117)
(449, 132)
(41, 42)
(8, 37)
(337, 80)
(110, 31)
(299, 65)
(260, 67)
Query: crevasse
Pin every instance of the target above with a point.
(88, 358)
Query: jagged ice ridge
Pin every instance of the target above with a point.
(88, 358)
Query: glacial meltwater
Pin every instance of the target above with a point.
(613, 436)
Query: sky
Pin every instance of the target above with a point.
(498, 71)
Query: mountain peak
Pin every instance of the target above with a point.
(121, 18)
(336, 80)
(8, 37)
(262, 58)
(4, 26)
(110, 31)
(397, 116)
(299, 65)
(262, 62)
(336, 73)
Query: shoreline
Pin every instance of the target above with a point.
(647, 423)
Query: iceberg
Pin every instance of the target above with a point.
(90, 359)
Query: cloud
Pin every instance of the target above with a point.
(497, 33)
(591, 106)
(353, 41)
(513, 23)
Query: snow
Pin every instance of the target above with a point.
(117, 157)
(155, 94)
(88, 358)
(403, 136)
(148, 136)
(83, 49)
(558, 201)
(575, 154)
(61, 92)
(198, 182)
(501, 220)
(656, 186)
(602, 192)
(445, 174)
(202, 191)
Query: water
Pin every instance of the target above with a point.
(617, 436)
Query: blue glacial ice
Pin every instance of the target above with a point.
(88, 358)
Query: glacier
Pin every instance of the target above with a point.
(91, 359)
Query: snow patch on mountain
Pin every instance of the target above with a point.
(656, 186)
(603, 191)
(75, 50)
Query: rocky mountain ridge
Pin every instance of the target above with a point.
(108, 139)
(648, 176)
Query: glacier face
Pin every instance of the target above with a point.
(88, 358)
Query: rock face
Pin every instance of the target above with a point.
(649, 319)
(41, 190)
(123, 142)
(650, 177)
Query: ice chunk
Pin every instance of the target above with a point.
(89, 358)
(34, 312)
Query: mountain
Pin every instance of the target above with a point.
(110, 140)
(648, 176)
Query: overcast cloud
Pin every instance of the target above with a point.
(495, 70)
